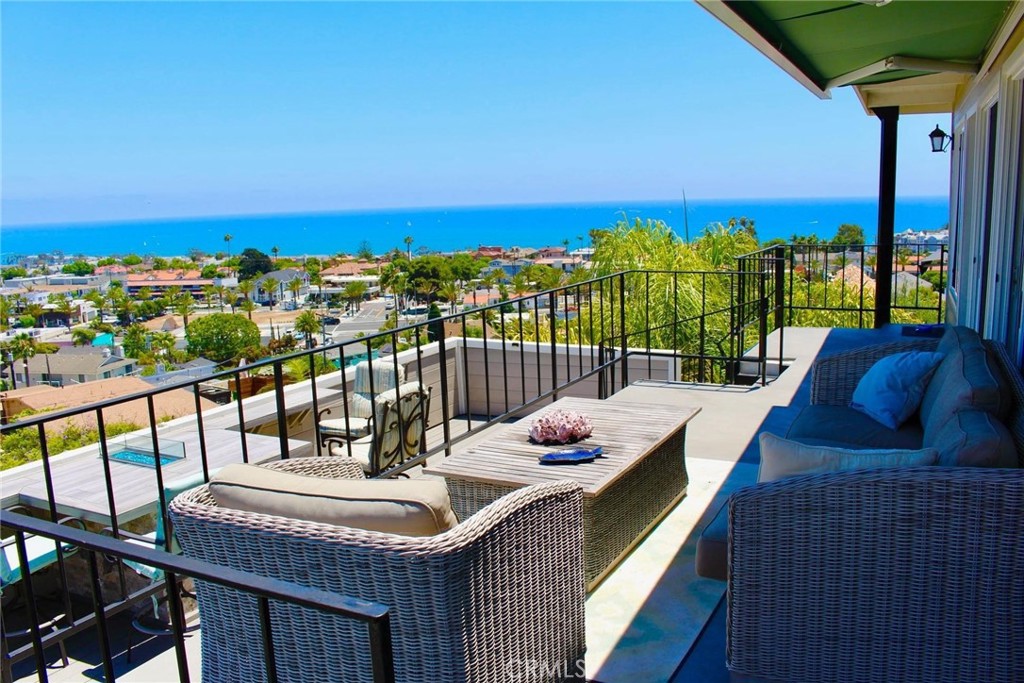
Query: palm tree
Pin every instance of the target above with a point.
(354, 292)
(268, 284)
(492, 277)
(449, 291)
(222, 293)
(408, 246)
(24, 347)
(318, 281)
(309, 325)
(295, 286)
(520, 285)
(63, 306)
(227, 241)
(275, 251)
(184, 304)
(246, 288)
(209, 291)
(96, 298)
(249, 306)
(162, 343)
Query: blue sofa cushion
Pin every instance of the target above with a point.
(966, 378)
(973, 438)
(891, 390)
(848, 428)
(712, 561)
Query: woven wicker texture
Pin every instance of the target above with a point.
(834, 378)
(912, 574)
(503, 587)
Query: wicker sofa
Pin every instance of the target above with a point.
(969, 412)
(973, 414)
(902, 574)
(502, 589)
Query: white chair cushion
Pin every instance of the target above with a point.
(781, 458)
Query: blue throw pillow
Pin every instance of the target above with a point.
(891, 391)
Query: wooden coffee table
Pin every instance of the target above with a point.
(640, 477)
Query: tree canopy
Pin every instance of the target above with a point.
(849, 233)
(253, 263)
(221, 336)
(78, 268)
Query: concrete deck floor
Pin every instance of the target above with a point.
(652, 619)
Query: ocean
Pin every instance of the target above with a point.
(440, 229)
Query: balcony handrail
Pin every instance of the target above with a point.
(367, 341)
(375, 615)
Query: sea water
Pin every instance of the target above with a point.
(450, 229)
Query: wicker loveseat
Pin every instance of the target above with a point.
(972, 411)
(890, 574)
(973, 414)
(500, 594)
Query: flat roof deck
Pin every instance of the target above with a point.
(645, 621)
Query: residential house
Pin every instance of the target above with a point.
(158, 282)
(278, 291)
(74, 365)
(564, 263)
(508, 267)
(336, 278)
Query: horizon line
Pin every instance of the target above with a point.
(457, 207)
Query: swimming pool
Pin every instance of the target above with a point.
(143, 458)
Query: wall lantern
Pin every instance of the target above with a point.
(940, 141)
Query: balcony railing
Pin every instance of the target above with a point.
(176, 568)
(483, 366)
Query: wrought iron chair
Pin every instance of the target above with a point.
(398, 430)
(371, 380)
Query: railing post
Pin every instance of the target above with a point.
(442, 356)
(780, 296)
(30, 599)
(942, 280)
(622, 329)
(554, 345)
(282, 415)
(762, 332)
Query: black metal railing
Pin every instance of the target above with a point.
(834, 285)
(97, 548)
(483, 366)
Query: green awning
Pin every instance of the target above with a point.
(825, 44)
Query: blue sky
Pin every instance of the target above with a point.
(138, 110)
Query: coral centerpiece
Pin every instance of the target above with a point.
(559, 427)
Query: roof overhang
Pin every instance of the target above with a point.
(931, 94)
(931, 47)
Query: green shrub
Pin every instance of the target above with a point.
(22, 445)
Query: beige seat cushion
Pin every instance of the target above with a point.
(409, 507)
(782, 458)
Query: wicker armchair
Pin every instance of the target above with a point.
(913, 574)
(478, 603)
